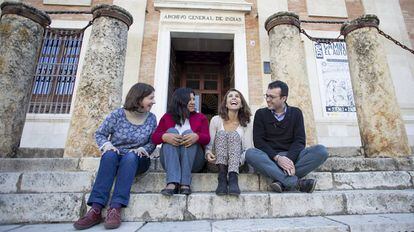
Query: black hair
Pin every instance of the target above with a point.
(178, 105)
(279, 84)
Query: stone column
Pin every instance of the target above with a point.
(379, 118)
(99, 90)
(21, 34)
(287, 63)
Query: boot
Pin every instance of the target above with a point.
(234, 184)
(222, 180)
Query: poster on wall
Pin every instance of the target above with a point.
(334, 80)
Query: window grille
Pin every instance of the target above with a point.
(55, 74)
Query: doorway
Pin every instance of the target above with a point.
(203, 64)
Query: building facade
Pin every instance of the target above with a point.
(212, 46)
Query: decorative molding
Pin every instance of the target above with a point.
(225, 5)
(327, 8)
(68, 3)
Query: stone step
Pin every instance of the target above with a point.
(61, 207)
(354, 223)
(34, 152)
(153, 182)
(333, 164)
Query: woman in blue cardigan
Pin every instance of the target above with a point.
(124, 140)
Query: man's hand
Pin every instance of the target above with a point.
(189, 139)
(173, 139)
(286, 164)
(211, 158)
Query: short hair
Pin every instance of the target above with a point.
(279, 84)
(178, 105)
(244, 112)
(136, 94)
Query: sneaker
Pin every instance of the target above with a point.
(306, 185)
(276, 187)
(113, 218)
(91, 218)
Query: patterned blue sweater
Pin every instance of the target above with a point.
(125, 135)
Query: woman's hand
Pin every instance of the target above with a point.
(109, 147)
(211, 158)
(140, 152)
(189, 139)
(173, 139)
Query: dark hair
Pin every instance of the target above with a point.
(279, 84)
(178, 105)
(136, 94)
(244, 112)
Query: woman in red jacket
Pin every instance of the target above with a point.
(183, 134)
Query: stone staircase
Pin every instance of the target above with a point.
(44, 190)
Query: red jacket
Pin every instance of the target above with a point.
(198, 124)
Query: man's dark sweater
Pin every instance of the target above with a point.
(273, 136)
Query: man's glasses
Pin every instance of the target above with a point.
(271, 97)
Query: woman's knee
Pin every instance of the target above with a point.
(172, 130)
(109, 156)
(186, 132)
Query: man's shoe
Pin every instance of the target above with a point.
(91, 218)
(276, 187)
(306, 185)
(113, 218)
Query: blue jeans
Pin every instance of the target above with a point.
(308, 160)
(179, 162)
(124, 167)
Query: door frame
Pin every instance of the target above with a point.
(162, 65)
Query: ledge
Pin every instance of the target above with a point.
(225, 5)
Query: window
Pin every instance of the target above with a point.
(55, 74)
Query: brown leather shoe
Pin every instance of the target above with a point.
(113, 218)
(91, 218)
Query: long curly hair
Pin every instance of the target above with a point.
(178, 105)
(244, 112)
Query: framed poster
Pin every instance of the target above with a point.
(334, 80)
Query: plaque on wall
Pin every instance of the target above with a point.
(334, 80)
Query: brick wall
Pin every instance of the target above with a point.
(407, 8)
(354, 9)
(149, 44)
(39, 5)
(253, 56)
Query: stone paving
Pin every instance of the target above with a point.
(354, 223)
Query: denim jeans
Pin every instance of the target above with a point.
(124, 167)
(308, 160)
(179, 162)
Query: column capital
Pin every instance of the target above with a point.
(26, 11)
(283, 17)
(368, 20)
(113, 12)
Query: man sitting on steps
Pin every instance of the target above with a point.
(279, 138)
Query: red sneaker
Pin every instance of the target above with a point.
(113, 218)
(91, 218)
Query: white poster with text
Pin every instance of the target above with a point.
(334, 80)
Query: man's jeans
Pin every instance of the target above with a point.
(179, 162)
(124, 167)
(308, 160)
